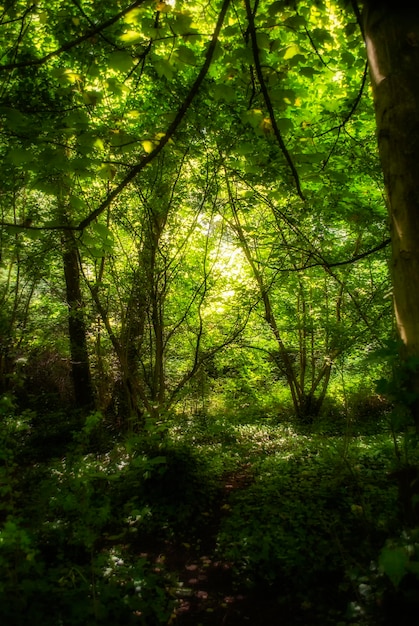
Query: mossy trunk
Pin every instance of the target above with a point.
(392, 40)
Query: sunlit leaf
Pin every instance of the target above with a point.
(107, 171)
(291, 51)
(133, 16)
(98, 144)
(131, 37)
(163, 7)
(148, 146)
(92, 97)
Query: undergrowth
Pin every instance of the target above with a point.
(317, 527)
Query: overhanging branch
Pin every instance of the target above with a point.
(170, 131)
(325, 264)
(268, 103)
(75, 42)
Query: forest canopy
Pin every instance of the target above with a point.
(189, 190)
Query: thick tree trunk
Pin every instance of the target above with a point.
(392, 40)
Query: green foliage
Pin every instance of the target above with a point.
(309, 509)
(192, 201)
(311, 513)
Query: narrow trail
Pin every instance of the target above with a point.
(207, 592)
(205, 587)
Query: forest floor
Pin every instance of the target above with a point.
(219, 523)
(207, 592)
(339, 512)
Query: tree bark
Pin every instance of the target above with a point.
(80, 369)
(392, 40)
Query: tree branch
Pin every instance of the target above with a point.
(170, 131)
(325, 264)
(268, 103)
(353, 107)
(75, 42)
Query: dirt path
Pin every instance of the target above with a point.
(208, 594)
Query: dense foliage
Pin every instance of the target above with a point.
(195, 293)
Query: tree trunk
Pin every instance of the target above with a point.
(392, 40)
(80, 370)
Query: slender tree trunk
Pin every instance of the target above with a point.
(80, 370)
(392, 40)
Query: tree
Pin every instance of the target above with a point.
(392, 41)
(271, 95)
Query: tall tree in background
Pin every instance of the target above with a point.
(392, 40)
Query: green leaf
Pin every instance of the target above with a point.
(103, 231)
(246, 148)
(131, 37)
(224, 92)
(50, 189)
(283, 96)
(157, 460)
(164, 68)
(134, 16)
(321, 35)
(276, 7)
(13, 230)
(121, 61)
(107, 171)
(253, 117)
(351, 28)
(393, 561)
(263, 41)
(291, 51)
(19, 156)
(33, 234)
(121, 139)
(15, 120)
(348, 59)
(66, 76)
(308, 71)
(284, 124)
(181, 25)
(297, 59)
(295, 21)
(76, 120)
(148, 146)
(92, 97)
(76, 202)
(186, 55)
